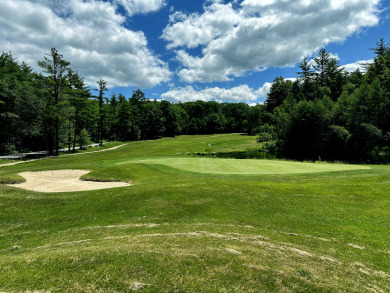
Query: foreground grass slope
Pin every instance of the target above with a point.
(186, 228)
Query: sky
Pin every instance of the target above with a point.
(186, 50)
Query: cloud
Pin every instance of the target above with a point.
(89, 34)
(264, 90)
(242, 93)
(140, 6)
(256, 34)
(357, 65)
(195, 29)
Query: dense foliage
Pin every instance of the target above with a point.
(57, 109)
(327, 113)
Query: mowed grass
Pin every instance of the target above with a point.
(245, 167)
(192, 225)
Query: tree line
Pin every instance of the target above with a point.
(327, 113)
(57, 109)
(324, 113)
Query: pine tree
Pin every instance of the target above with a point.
(102, 88)
(54, 64)
(321, 63)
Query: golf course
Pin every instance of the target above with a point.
(169, 220)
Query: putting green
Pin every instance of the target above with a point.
(234, 166)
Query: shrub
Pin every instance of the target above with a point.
(84, 138)
(267, 133)
(269, 146)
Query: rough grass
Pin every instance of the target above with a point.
(10, 178)
(182, 231)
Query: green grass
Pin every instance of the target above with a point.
(192, 225)
(232, 166)
(10, 178)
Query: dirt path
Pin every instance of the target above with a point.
(62, 181)
(21, 162)
(113, 148)
(15, 163)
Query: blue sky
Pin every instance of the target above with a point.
(182, 50)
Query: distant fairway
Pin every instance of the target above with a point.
(250, 167)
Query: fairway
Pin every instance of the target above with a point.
(252, 167)
(193, 223)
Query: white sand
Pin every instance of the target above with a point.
(62, 181)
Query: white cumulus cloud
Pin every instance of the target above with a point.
(252, 35)
(242, 93)
(141, 6)
(195, 29)
(89, 34)
(361, 65)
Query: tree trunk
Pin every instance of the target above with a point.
(75, 129)
(100, 139)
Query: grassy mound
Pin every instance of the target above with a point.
(10, 178)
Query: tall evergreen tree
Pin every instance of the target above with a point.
(321, 64)
(102, 89)
(306, 72)
(335, 79)
(78, 95)
(54, 64)
(123, 124)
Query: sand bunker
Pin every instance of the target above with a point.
(62, 181)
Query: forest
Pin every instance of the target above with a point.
(330, 114)
(325, 113)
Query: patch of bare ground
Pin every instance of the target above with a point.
(136, 286)
(64, 243)
(233, 251)
(370, 272)
(123, 226)
(356, 246)
(309, 236)
(255, 239)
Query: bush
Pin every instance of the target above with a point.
(269, 146)
(267, 133)
(8, 149)
(380, 155)
(84, 138)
